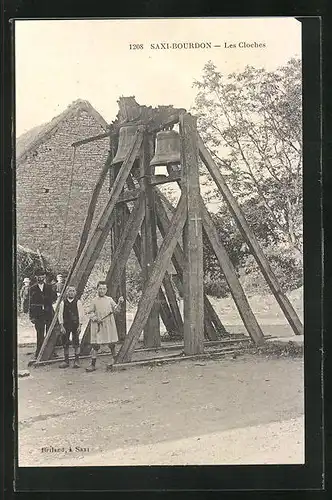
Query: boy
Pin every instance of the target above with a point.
(103, 327)
(70, 320)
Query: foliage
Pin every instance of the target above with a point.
(251, 122)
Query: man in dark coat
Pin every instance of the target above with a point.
(42, 297)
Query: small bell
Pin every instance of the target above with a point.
(126, 139)
(167, 149)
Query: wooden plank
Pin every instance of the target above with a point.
(173, 303)
(251, 240)
(193, 310)
(149, 241)
(158, 270)
(165, 312)
(96, 241)
(178, 263)
(234, 284)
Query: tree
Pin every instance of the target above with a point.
(252, 124)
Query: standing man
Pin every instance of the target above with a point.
(42, 296)
(103, 326)
(70, 319)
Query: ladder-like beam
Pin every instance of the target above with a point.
(178, 263)
(193, 310)
(251, 240)
(155, 279)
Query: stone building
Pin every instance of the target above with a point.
(54, 183)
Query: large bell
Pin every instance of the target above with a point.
(126, 139)
(167, 149)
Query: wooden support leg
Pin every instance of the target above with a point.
(251, 240)
(234, 284)
(165, 311)
(149, 242)
(120, 217)
(171, 296)
(158, 270)
(193, 241)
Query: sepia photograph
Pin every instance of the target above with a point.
(159, 242)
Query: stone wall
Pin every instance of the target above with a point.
(43, 189)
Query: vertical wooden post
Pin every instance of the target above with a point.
(117, 230)
(193, 240)
(149, 240)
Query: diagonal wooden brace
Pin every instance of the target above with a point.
(251, 240)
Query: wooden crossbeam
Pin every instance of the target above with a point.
(96, 241)
(178, 263)
(234, 284)
(155, 279)
(251, 240)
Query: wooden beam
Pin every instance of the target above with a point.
(120, 257)
(125, 245)
(234, 284)
(173, 304)
(129, 195)
(149, 240)
(95, 243)
(165, 311)
(192, 239)
(251, 240)
(158, 270)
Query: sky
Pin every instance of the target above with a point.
(59, 61)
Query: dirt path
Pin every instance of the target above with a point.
(234, 407)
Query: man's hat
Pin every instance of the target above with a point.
(26, 280)
(40, 272)
(59, 275)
